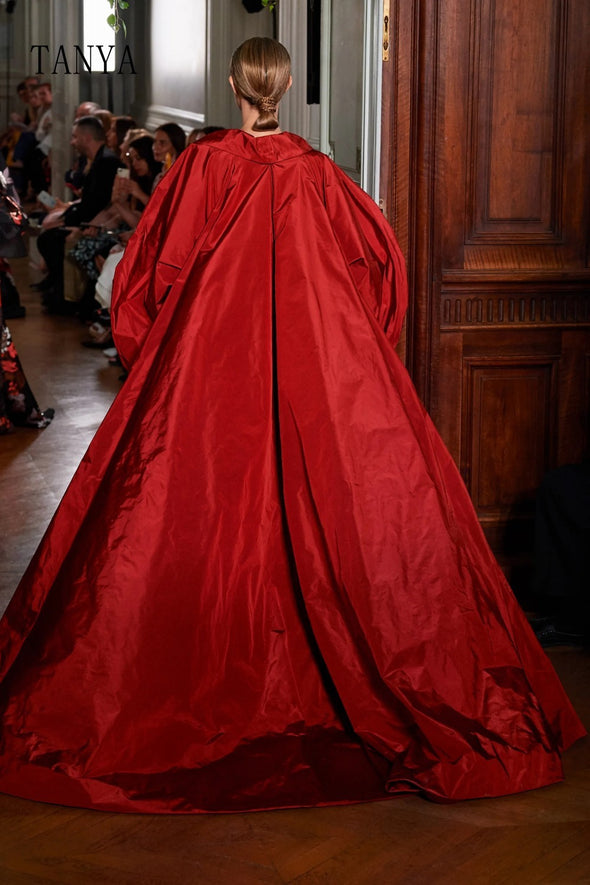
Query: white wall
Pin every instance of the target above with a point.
(296, 115)
(182, 59)
(229, 25)
(178, 58)
(190, 56)
(346, 81)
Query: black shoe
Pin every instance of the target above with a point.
(14, 313)
(49, 297)
(38, 419)
(98, 345)
(42, 285)
(54, 303)
(549, 636)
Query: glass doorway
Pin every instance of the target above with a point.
(350, 88)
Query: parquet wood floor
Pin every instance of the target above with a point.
(539, 837)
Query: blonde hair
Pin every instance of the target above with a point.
(260, 69)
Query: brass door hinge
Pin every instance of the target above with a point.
(386, 23)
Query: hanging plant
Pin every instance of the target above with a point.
(259, 5)
(114, 19)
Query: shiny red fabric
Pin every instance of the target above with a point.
(266, 585)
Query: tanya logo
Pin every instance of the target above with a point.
(81, 62)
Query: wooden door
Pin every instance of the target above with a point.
(485, 177)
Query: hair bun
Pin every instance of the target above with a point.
(267, 104)
(261, 73)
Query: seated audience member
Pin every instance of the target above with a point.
(31, 83)
(20, 158)
(99, 331)
(130, 136)
(119, 128)
(128, 198)
(16, 127)
(169, 142)
(74, 177)
(86, 109)
(35, 104)
(105, 118)
(88, 138)
(198, 134)
(8, 141)
(23, 115)
(133, 193)
(40, 171)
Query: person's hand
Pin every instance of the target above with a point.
(123, 237)
(121, 189)
(53, 219)
(73, 236)
(136, 191)
(90, 231)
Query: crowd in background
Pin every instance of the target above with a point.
(116, 166)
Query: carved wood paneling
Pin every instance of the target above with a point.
(485, 164)
(516, 105)
(509, 307)
(509, 120)
(516, 394)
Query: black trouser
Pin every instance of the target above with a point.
(51, 245)
(35, 168)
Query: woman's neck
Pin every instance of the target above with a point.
(261, 134)
(249, 116)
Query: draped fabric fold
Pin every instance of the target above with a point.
(266, 585)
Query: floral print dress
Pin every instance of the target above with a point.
(18, 406)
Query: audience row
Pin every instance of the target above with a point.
(116, 165)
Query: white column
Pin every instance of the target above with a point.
(228, 25)
(296, 114)
(372, 91)
(325, 70)
(65, 29)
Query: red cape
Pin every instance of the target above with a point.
(266, 585)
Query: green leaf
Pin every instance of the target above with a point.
(124, 26)
(111, 20)
(123, 4)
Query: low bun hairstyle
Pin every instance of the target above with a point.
(260, 69)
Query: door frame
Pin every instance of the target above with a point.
(313, 121)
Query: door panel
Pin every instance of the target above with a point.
(485, 174)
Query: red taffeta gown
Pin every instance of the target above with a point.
(266, 585)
